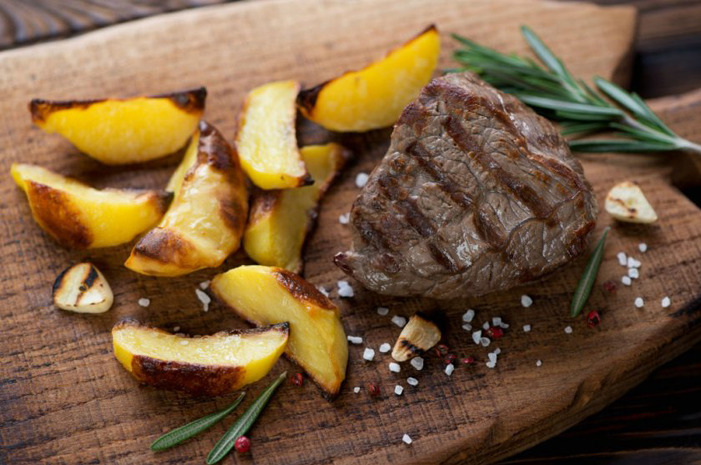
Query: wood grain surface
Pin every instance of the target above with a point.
(66, 400)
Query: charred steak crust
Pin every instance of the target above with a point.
(477, 193)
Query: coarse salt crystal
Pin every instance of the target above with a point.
(633, 273)
(368, 354)
(382, 311)
(417, 363)
(385, 347)
(407, 439)
(504, 325)
(485, 341)
(394, 367)
(497, 351)
(666, 302)
(491, 364)
(204, 298)
(492, 357)
(144, 302)
(449, 369)
(323, 290)
(642, 247)
(467, 327)
(399, 321)
(639, 302)
(626, 280)
(568, 329)
(344, 289)
(398, 390)
(622, 259)
(476, 336)
(204, 284)
(361, 179)
(526, 328)
(633, 263)
(468, 316)
(496, 321)
(344, 218)
(485, 326)
(412, 381)
(355, 339)
(356, 389)
(538, 363)
(526, 301)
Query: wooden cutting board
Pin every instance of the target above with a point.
(64, 399)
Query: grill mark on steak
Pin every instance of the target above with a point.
(488, 230)
(408, 207)
(445, 260)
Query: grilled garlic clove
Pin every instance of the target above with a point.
(82, 288)
(418, 336)
(626, 202)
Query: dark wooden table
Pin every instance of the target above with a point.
(659, 422)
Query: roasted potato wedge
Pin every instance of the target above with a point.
(267, 295)
(280, 220)
(205, 223)
(375, 96)
(203, 366)
(122, 131)
(266, 139)
(80, 217)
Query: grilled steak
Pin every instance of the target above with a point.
(477, 193)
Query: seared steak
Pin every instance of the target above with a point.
(477, 193)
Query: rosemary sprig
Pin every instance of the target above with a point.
(554, 92)
(192, 429)
(586, 282)
(243, 423)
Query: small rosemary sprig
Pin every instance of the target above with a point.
(586, 281)
(551, 90)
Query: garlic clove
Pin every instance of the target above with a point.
(418, 336)
(82, 288)
(626, 202)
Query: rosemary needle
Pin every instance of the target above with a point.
(581, 294)
(243, 423)
(185, 432)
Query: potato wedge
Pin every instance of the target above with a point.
(82, 288)
(267, 295)
(266, 139)
(626, 202)
(80, 217)
(203, 366)
(205, 222)
(280, 220)
(122, 131)
(375, 96)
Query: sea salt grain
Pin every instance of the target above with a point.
(417, 363)
(344, 289)
(526, 301)
(642, 247)
(496, 321)
(399, 321)
(356, 389)
(497, 351)
(538, 363)
(526, 328)
(568, 329)
(626, 280)
(382, 311)
(467, 327)
(361, 179)
(204, 298)
(491, 364)
(633, 263)
(144, 302)
(476, 336)
(398, 390)
(666, 302)
(633, 273)
(368, 354)
(204, 284)
(355, 339)
(449, 369)
(407, 439)
(344, 219)
(639, 302)
(323, 290)
(622, 259)
(384, 348)
(468, 316)
(412, 381)
(492, 357)
(485, 341)
(394, 367)
(485, 326)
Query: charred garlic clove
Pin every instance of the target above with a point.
(418, 336)
(82, 288)
(626, 202)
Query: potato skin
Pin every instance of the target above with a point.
(302, 289)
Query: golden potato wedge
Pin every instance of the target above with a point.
(203, 366)
(375, 96)
(267, 295)
(121, 131)
(205, 222)
(81, 217)
(626, 202)
(266, 139)
(280, 220)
